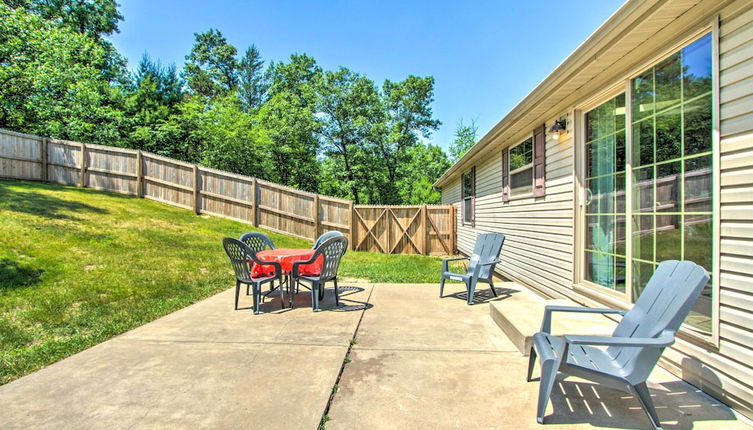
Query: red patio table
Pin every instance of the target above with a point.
(286, 257)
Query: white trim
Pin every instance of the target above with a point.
(716, 153)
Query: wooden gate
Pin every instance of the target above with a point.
(423, 229)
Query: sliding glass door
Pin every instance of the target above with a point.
(605, 187)
(670, 176)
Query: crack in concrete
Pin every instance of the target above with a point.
(342, 366)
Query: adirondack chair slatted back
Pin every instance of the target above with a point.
(332, 249)
(488, 246)
(663, 305)
(257, 241)
(239, 255)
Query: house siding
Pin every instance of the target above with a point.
(538, 247)
(539, 250)
(727, 373)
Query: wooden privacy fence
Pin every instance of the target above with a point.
(425, 229)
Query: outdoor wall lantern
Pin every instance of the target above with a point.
(558, 129)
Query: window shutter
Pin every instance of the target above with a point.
(473, 198)
(539, 161)
(505, 175)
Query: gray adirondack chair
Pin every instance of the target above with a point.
(328, 235)
(480, 265)
(240, 254)
(331, 251)
(634, 347)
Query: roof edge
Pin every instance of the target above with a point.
(596, 40)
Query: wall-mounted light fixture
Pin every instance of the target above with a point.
(558, 129)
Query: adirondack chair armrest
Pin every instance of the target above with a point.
(446, 262)
(546, 323)
(478, 267)
(490, 262)
(666, 339)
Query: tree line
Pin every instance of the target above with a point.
(291, 122)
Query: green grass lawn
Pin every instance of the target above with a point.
(79, 266)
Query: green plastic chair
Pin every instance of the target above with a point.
(240, 255)
(331, 251)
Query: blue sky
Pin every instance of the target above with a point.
(485, 56)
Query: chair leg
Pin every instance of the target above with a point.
(471, 286)
(548, 377)
(337, 299)
(491, 284)
(644, 397)
(282, 295)
(531, 364)
(441, 288)
(315, 296)
(237, 292)
(321, 292)
(257, 293)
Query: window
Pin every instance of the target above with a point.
(672, 188)
(521, 167)
(667, 171)
(605, 191)
(469, 196)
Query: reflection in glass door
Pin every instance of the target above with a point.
(605, 189)
(669, 172)
(672, 187)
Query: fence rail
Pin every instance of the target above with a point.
(422, 229)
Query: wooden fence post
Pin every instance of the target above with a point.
(44, 149)
(352, 225)
(82, 178)
(196, 194)
(453, 229)
(255, 200)
(139, 174)
(426, 229)
(317, 221)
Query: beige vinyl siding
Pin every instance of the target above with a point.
(538, 249)
(728, 372)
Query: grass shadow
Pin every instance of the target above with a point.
(44, 205)
(14, 275)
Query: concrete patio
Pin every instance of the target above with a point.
(418, 361)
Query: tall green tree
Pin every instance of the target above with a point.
(424, 165)
(465, 138)
(289, 117)
(252, 83)
(211, 68)
(409, 119)
(96, 18)
(151, 106)
(351, 110)
(233, 139)
(52, 82)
